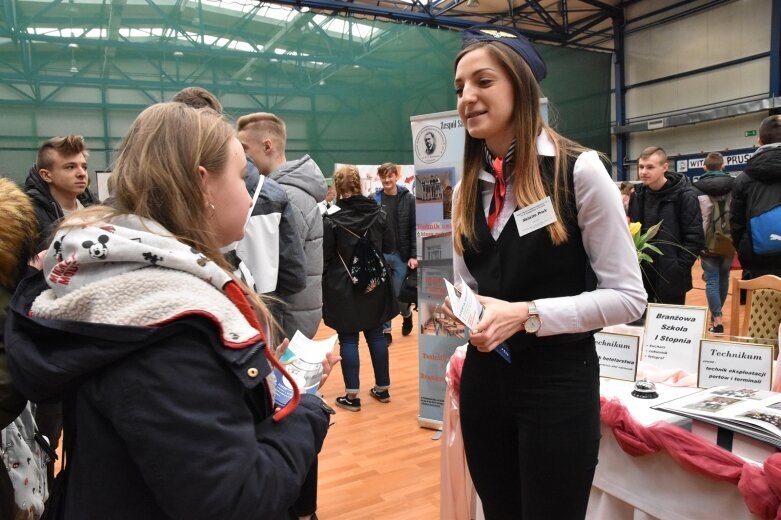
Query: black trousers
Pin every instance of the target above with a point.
(531, 429)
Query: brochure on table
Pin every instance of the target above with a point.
(303, 360)
(618, 355)
(735, 364)
(672, 336)
(756, 413)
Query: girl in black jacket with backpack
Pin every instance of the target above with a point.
(348, 308)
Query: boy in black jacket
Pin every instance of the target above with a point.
(668, 197)
(756, 191)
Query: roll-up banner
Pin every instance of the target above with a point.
(438, 145)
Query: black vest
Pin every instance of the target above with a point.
(518, 269)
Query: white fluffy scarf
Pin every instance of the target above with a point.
(132, 271)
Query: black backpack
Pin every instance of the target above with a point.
(367, 268)
(408, 293)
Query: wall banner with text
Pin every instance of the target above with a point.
(438, 146)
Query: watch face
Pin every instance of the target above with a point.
(532, 324)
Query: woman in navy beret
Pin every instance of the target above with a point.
(539, 233)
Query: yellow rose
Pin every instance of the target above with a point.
(634, 228)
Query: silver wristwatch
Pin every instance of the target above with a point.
(533, 322)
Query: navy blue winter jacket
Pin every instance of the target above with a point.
(163, 422)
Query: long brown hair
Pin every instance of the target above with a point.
(528, 185)
(156, 176)
(156, 171)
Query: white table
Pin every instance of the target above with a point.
(655, 486)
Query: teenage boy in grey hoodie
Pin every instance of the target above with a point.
(264, 136)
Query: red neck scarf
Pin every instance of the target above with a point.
(500, 190)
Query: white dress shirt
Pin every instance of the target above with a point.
(619, 296)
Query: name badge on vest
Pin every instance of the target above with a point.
(531, 218)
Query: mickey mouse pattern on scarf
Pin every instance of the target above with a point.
(81, 255)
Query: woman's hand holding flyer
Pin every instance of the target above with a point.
(466, 307)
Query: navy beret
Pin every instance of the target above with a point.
(510, 37)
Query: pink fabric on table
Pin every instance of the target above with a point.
(667, 376)
(760, 486)
(453, 370)
(776, 387)
(456, 489)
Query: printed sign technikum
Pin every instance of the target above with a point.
(438, 140)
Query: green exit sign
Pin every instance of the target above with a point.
(750, 133)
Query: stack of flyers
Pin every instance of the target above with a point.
(303, 361)
(468, 309)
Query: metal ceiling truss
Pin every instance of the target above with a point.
(195, 42)
(206, 59)
(554, 22)
(193, 39)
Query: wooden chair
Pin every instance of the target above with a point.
(762, 313)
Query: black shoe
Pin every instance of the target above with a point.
(382, 396)
(406, 327)
(354, 404)
(388, 337)
(716, 330)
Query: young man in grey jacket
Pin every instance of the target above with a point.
(264, 136)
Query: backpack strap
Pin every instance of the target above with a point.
(718, 209)
(344, 264)
(352, 232)
(721, 205)
(346, 269)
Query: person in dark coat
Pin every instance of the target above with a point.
(399, 204)
(714, 187)
(57, 183)
(167, 413)
(757, 190)
(667, 197)
(345, 309)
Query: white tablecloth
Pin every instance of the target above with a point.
(655, 486)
